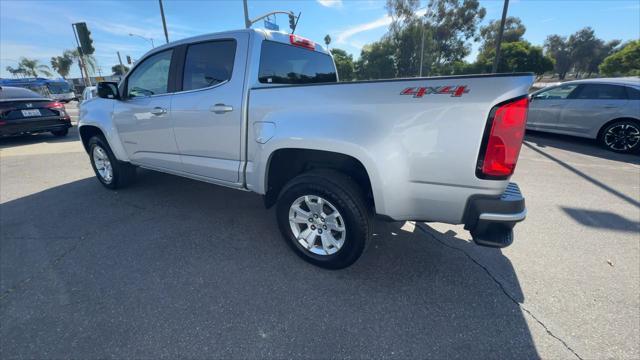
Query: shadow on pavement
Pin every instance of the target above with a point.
(178, 268)
(585, 176)
(7, 142)
(602, 220)
(578, 145)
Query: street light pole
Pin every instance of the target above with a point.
(142, 37)
(496, 61)
(164, 22)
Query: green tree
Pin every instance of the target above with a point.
(376, 61)
(448, 25)
(583, 45)
(344, 64)
(513, 31)
(623, 62)
(16, 72)
(32, 67)
(557, 48)
(119, 69)
(518, 56)
(601, 52)
(62, 64)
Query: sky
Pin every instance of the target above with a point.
(42, 29)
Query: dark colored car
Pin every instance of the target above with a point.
(23, 111)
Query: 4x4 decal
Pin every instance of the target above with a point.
(419, 92)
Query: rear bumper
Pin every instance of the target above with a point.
(30, 126)
(490, 219)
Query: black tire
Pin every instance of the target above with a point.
(60, 133)
(123, 172)
(621, 141)
(346, 197)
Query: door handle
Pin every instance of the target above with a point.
(554, 105)
(221, 108)
(609, 106)
(158, 111)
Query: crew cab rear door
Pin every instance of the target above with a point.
(207, 111)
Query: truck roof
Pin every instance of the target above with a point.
(271, 35)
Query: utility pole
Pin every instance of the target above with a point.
(81, 63)
(164, 22)
(120, 60)
(427, 13)
(422, 50)
(247, 22)
(496, 61)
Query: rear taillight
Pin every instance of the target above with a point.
(503, 139)
(54, 105)
(296, 40)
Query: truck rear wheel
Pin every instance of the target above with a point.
(111, 173)
(324, 218)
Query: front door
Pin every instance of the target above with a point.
(143, 117)
(208, 109)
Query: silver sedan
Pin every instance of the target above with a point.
(604, 109)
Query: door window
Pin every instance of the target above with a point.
(151, 77)
(602, 92)
(287, 64)
(556, 93)
(208, 64)
(634, 94)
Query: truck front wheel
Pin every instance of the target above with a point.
(324, 218)
(111, 173)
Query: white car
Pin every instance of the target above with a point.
(604, 109)
(88, 93)
(263, 111)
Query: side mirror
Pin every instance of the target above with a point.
(108, 90)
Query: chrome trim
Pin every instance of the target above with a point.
(504, 217)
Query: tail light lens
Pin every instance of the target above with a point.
(503, 139)
(55, 105)
(299, 41)
(58, 106)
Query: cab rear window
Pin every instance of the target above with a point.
(287, 64)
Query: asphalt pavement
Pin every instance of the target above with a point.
(171, 267)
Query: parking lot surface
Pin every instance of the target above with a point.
(171, 267)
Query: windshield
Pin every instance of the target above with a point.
(59, 87)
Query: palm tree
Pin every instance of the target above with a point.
(62, 64)
(16, 72)
(327, 40)
(32, 67)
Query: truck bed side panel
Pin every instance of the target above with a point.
(421, 148)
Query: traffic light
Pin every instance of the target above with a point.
(129, 60)
(292, 22)
(84, 37)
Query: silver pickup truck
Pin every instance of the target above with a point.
(264, 111)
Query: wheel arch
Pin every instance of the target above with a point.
(89, 130)
(284, 164)
(621, 118)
